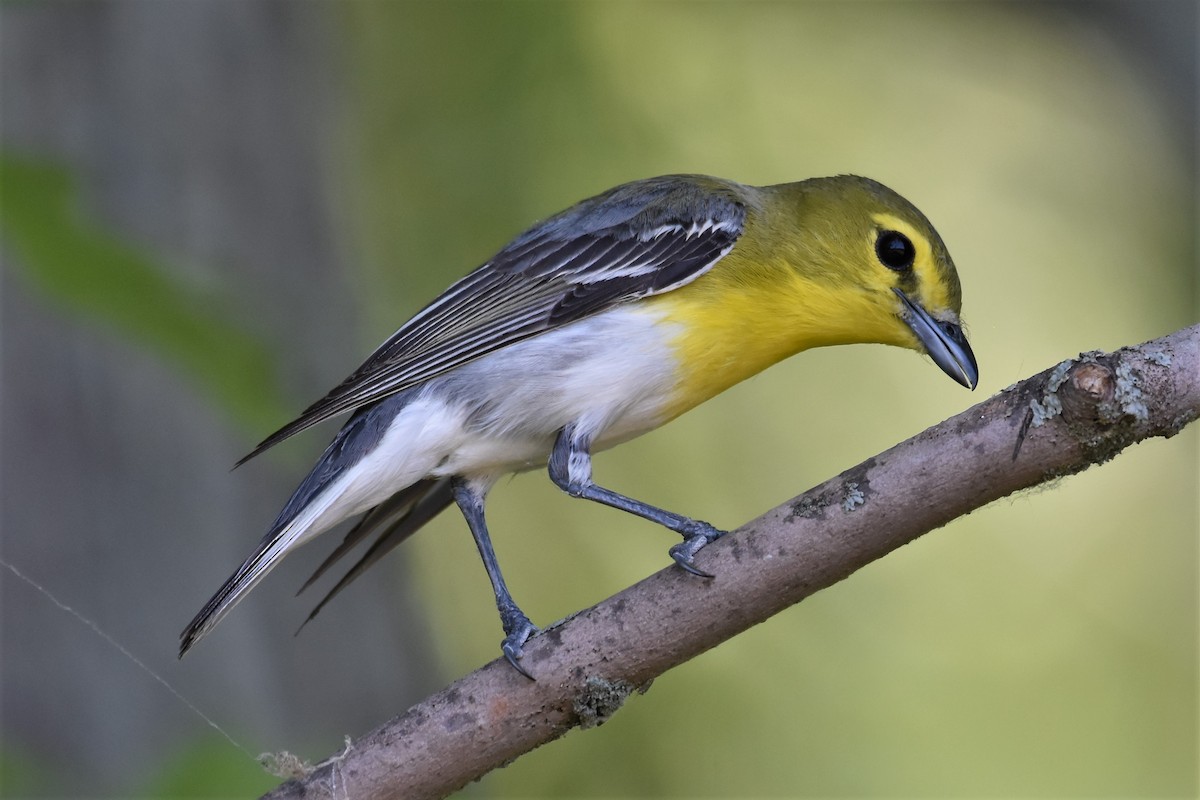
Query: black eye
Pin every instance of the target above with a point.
(895, 250)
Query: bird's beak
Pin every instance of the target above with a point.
(944, 341)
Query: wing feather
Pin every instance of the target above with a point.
(636, 240)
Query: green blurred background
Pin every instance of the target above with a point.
(212, 211)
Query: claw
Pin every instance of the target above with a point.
(685, 560)
(518, 629)
(512, 652)
(696, 537)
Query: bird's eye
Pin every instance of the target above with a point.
(895, 250)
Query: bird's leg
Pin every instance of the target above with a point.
(571, 469)
(517, 627)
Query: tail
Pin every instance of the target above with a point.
(250, 573)
(331, 492)
(282, 538)
(402, 515)
(399, 517)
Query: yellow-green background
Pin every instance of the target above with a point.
(1044, 646)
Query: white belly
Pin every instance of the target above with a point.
(611, 375)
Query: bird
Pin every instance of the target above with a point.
(594, 326)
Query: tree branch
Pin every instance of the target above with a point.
(1059, 422)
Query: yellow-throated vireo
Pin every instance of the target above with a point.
(595, 326)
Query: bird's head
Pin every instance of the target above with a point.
(879, 264)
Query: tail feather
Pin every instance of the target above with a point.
(386, 513)
(324, 498)
(252, 570)
(400, 516)
(282, 539)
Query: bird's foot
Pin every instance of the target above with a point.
(695, 536)
(517, 630)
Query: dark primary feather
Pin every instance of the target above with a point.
(636, 240)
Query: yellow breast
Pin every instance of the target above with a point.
(750, 312)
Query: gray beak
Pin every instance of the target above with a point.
(944, 341)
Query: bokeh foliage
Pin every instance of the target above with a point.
(95, 275)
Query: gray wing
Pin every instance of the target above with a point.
(636, 240)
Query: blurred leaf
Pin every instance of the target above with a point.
(92, 272)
